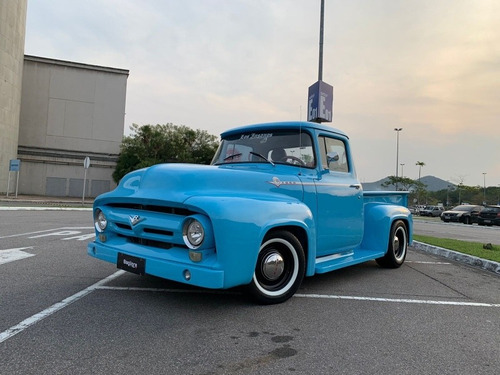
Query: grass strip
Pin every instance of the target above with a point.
(471, 248)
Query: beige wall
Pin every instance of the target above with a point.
(12, 32)
(69, 111)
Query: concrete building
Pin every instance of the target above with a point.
(12, 33)
(69, 111)
(54, 114)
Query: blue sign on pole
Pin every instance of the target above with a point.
(14, 165)
(320, 102)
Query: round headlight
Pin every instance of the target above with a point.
(100, 221)
(193, 234)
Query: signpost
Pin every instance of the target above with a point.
(320, 95)
(320, 102)
(86, 165)
(14, 166)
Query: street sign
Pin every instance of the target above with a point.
(320, 102)
(14, 165)
(86, 165)
(86, 162)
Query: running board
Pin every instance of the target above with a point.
(345, 259)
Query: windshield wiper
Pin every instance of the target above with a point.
(262, 157)
(232, 156)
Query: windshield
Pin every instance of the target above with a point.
(275, 147)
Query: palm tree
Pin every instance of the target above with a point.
(420, 165)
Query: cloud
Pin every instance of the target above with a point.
(431, 67)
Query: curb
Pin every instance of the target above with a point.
(41, 203)
(487, 265)
(46, 208)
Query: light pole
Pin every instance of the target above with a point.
(397, 130)
(402, 165)
(484, 187)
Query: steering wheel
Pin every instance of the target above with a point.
(293, 158)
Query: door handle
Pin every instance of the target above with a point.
(355, 186)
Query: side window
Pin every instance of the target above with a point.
(333, 154)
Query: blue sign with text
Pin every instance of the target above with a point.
(320, 102)
(14, 165)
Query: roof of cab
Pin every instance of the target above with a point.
(283, 125)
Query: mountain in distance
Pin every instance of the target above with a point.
(433, 184)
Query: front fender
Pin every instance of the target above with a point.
(378, 222)
(240, 224)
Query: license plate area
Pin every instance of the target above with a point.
(131, 263)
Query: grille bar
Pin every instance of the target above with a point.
(153, 208)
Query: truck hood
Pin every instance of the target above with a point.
(177, 182)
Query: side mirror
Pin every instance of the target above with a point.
(332, 157)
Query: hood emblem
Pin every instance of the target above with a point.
(135, 219)
(276, 182)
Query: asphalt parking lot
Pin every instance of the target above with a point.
(64, 312)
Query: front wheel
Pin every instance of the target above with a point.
(280, 268)
(398, 246)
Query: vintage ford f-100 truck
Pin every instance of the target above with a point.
(279, 202)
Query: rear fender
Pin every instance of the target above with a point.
(378, 222)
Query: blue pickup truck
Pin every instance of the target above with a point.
(279, 202)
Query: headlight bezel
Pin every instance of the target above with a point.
(100, 221)
(193, 233)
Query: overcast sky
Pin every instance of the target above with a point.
(431, 67)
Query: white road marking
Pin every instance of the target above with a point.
(10, 255)
(422, 262)
(61, 233)
(399, 300)
(82, 237)
(44, 231)
(318, 296)
(18, 328)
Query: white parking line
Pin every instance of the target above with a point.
(399, 300)
(318, 296)
(422, 262)
(18, 328)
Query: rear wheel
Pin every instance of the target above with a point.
(280, 268)
(398, 246)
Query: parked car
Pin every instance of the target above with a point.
(490, 215)
(465, 213)
(433, 211)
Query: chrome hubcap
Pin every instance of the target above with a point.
(395, 243)
(273, 266)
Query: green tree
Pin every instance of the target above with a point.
(404, 183)
(169, 143)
